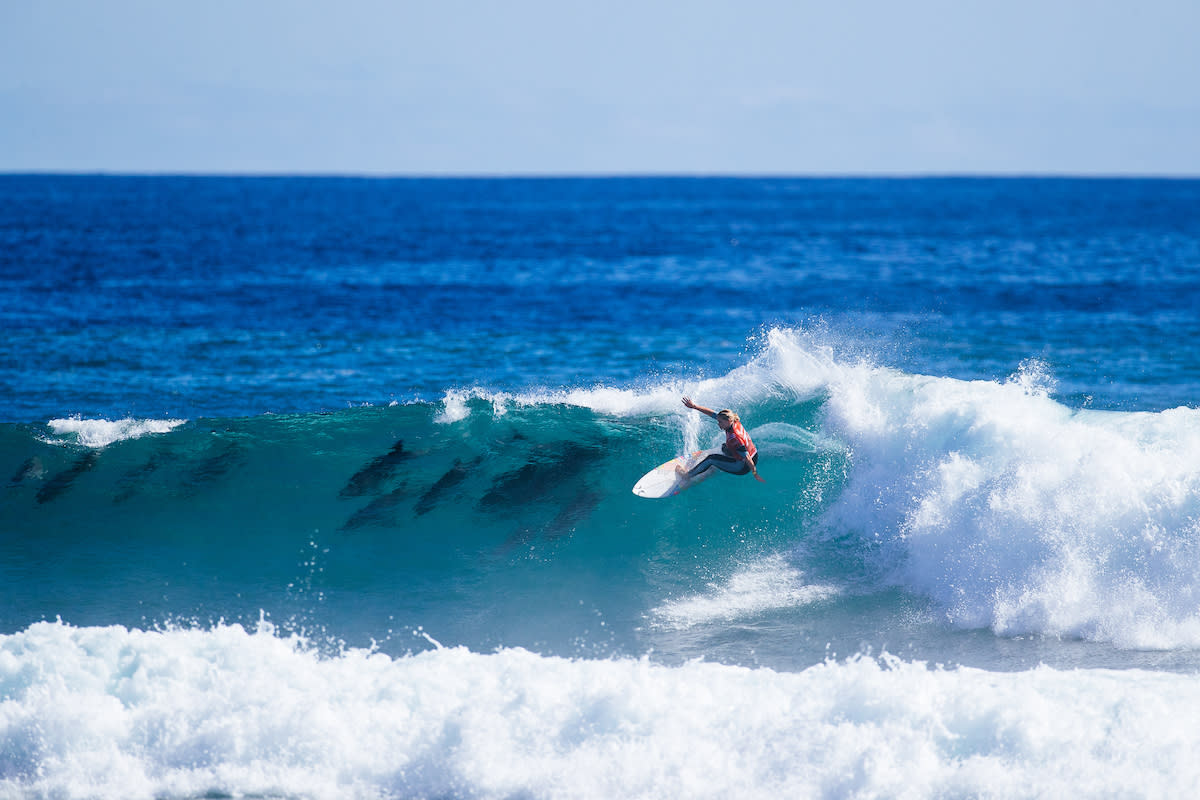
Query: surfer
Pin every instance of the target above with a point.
(738, 456)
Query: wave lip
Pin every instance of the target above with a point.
(116, 713)
(100, 433)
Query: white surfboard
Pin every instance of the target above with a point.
(663, 480)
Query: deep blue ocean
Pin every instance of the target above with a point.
(320, 488)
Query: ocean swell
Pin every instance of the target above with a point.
(998, 505)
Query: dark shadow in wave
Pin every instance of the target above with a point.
(452, 478)
(374, 475)
(380, 512)
(62, 481)
(540, 477)
(223, 458)
(32, 470)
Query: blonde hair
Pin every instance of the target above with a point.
(729, 415)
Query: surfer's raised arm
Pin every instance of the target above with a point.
(687, 401)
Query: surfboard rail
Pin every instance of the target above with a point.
(663, 481)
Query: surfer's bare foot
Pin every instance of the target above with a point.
(681, 474)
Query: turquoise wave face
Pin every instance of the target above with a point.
(364, 522)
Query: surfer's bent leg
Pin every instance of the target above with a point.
(734, 466)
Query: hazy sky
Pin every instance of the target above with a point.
(554, 86)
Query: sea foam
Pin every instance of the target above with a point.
(98, 433)
(1015, 512)
(116, 713)
(767, 584)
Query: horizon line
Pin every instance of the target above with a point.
(615, 175)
